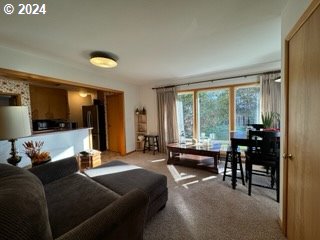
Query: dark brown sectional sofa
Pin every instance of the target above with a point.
(56, 201)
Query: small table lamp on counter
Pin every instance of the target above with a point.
(14, 124)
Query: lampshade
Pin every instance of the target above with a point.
(102, 59)
(14, 122)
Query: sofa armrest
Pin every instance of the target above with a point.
(123, 219)
(52, 171)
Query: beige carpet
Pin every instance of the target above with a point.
(202, 206)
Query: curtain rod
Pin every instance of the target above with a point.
(217, 79)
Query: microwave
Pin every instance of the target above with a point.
(39, 125)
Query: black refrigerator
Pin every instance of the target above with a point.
(94, 117)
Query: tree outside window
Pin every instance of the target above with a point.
(247, 107)
(212, 111)
(214, 114)
(185, 114)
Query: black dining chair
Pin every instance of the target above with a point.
(256, 126)
(263, 150)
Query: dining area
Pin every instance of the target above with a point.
(250, 158)
(261, 158)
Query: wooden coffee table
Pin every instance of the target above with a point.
(205, 157)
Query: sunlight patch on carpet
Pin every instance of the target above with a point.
(209, 178)
(159, 160)
(178, 176)
(189, 183)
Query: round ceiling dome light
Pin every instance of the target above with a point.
(102, 59)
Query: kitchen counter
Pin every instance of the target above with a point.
(56, 130)
(60, 143)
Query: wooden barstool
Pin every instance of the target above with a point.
(151, 142)
(229, 159)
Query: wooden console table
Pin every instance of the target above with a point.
(205, 157)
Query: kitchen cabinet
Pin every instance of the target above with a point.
(48, 103)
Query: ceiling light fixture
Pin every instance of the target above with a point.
(83, 93)
(103, 59)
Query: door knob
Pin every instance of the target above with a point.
(284, 155)
(290, 156)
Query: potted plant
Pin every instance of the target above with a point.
(267, 119)
(33, 151)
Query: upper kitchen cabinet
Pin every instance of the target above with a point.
(48, 103)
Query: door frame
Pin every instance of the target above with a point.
(305, 16)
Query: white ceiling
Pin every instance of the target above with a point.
(155, 40)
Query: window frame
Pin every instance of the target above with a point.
(193, 108)
(235, 103)
(198, 112)
(232, 102)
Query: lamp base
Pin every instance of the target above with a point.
(14, 160)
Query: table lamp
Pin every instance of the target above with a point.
(14, 124)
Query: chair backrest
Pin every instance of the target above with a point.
(256, 126)
(264, 143)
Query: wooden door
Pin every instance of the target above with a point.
(115, 121)
(303, 130)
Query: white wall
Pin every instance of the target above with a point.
(148, 99)
(26, 62)
(131, 102)
(290, 15)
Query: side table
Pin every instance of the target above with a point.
(89, 159)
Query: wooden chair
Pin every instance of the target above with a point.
(263, 150)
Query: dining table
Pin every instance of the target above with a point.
(239, 138)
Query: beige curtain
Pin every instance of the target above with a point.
(270, 94)
(167, 117)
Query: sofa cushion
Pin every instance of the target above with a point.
(55, 170)
(122, 177)
(73, 199)
(23, 207)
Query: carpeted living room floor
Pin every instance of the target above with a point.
(202, 206)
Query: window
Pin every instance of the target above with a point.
(213, 114)
(247, 106)
(185, 114)
(211, 117)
